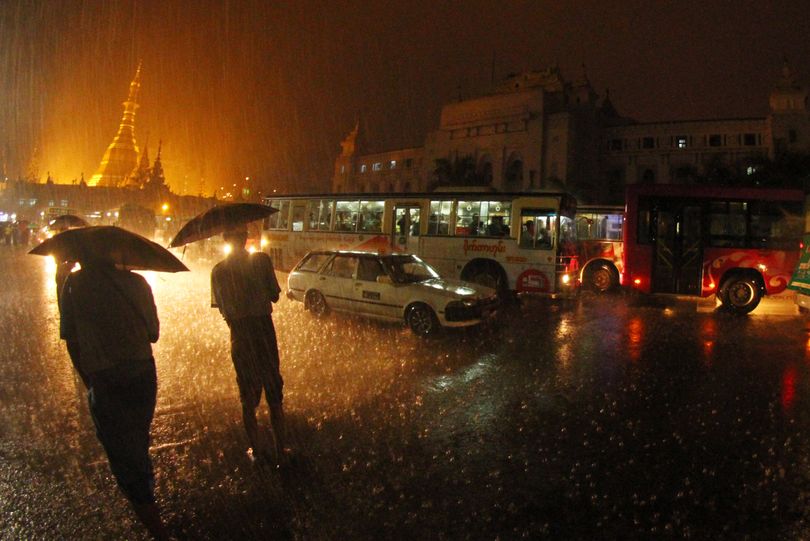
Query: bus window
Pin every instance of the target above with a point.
(320, 214)
(280, 219)
(775, 225)
(325, 214)
(468, 218)
(568, 236)
(599, 226)
(346, 215)
(371, 213)
(538, 228)
(727, 223)
(298, 213)
(497, 215)
(439, 222)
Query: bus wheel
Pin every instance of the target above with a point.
(741, 294)
(316, 304)
(422, 320)
(601, 278)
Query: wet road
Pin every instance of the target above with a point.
(607, 417)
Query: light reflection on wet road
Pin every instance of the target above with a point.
(606, 417)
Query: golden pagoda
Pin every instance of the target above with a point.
(121, 157)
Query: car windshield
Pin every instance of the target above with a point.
(406, 269)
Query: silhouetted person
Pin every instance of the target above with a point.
(109, 321)
(243, 287)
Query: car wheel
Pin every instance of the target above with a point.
(601, 278)
(741, 294)
(422, 320)
(316, 304)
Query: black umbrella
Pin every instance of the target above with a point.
(110, 243)
(66, 221)
(219, 219)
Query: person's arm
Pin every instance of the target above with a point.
(67, 321)
(150, 314)
(216, 298)
(274, 287)
(268, 274)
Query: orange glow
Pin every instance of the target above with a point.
(789, 387)
(635, 328)
(711, 285)
(637, 281)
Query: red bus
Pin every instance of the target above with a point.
(736, 243)
(599, 242)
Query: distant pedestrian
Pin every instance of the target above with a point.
(109, 321)
(243, 288)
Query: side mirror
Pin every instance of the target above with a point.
(384, 279)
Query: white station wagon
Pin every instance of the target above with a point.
(391, 287)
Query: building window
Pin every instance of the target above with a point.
(392, 164)
(514, 175)
(64, 202)
(750, 170)
(681, 141)
(408, 163)
(32, 202)
(793, 136)
(377, 166)
(615, 144)
(750, 139)
(715, 140)
(363, 168)
(342, 169)
(50, 203)
(648, 142)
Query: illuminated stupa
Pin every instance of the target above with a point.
(121, 157)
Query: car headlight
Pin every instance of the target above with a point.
(469, 303)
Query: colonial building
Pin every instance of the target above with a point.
(536, 130)
(678, 152)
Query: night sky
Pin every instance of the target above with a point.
(268, 89)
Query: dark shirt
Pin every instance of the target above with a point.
(111, 314)
(244, 285)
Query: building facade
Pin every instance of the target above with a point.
(538, 131)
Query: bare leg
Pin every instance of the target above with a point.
(251, 426)
(149, 513)
(279, 429)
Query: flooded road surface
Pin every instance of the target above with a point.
(602, 418)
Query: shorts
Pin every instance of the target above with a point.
(254, 351)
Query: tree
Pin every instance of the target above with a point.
(458, 172)
(787, 170)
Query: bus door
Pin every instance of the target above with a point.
(405, 225)
(678, 260)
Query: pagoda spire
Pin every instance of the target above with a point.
(121, 156)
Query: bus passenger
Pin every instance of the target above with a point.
(527, 235)
(496, 227)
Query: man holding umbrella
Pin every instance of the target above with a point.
(109, 320)
(243, 288)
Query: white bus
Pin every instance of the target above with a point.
(519, 242)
